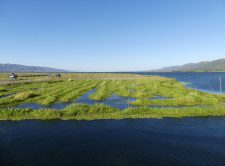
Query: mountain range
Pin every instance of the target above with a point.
(205, 66)
(22, 68)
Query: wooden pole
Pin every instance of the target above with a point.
(220, 84)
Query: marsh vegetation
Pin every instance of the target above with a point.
(147, 91)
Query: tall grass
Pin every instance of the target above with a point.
(25, 95)
(100, 111)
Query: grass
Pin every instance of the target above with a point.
(100, 111)
(3, 89)
(25, 95)
(45, 91)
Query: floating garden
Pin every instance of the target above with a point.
(113, 96)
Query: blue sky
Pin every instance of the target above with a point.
(111, 35)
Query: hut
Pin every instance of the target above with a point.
(13, 76)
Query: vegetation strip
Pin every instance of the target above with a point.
(101, 111)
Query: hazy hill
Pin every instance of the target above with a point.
(216, 65)
(23, 68)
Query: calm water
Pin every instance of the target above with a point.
(198, 141)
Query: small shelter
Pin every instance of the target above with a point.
(13, 76)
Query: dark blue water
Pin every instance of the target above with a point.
(208, 82)
(198, 141)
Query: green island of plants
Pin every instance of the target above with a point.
(184, 102)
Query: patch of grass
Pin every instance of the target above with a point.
(146, 112)
(74, 111)
(104, 90)
(100, 111)
(44, 114)
(25, 95)
(25, 114)
(2, 89)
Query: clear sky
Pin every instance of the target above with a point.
(111, 35)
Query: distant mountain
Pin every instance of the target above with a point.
(206, 66)
(23, 68)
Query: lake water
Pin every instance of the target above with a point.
(189, 141)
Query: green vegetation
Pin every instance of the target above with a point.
(45, 91)
(24, 95)
(2, 89)
(100, 111)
